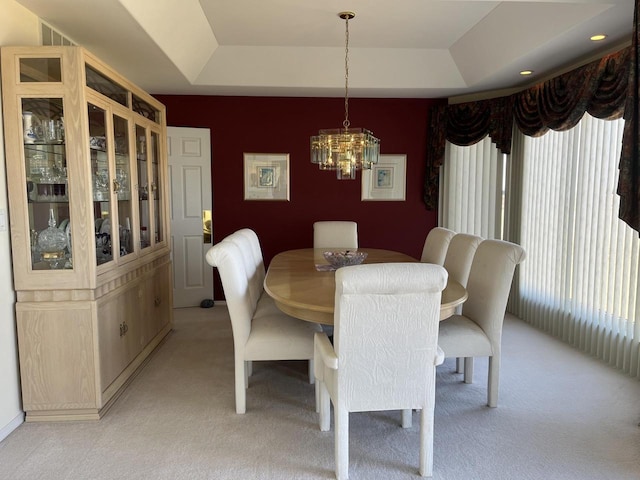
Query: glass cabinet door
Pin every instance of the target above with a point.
(143, 186)
(122, 184)
(47, 185)
(101, 183)
(156, 188)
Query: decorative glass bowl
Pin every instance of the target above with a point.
(345, 259)
(52, 243)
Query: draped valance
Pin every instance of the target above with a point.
(607, 88)
(465, 124)
(599, 88)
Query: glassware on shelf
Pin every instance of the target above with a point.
(121, 184)
(54, 131)
(51, 192)
(31, 127)
(38, 164)
(101, 186)
(42, 131)
(144, 237)
(52, 243)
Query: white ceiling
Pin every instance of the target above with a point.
(401, 48)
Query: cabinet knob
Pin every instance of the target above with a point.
(157, 301)
(116, 186)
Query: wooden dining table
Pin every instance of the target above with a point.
(301, 286)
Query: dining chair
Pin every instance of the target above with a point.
(335, 234)
(249, 262)
(459, 257)
(457, 263)
(385, 350)
(249, 244)
(477, 332)
(256, 250)
(260, 330)
(436, 245)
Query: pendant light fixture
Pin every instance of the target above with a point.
(346, 149)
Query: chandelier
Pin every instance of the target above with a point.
(346, 149)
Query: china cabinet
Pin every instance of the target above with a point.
(87, 181)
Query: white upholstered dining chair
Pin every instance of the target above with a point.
(436, 245)
(477, 332)
(335, 234)
(260, 330)
(385, 350)
(244, 243)
(256, 250)
(247, 240)
(457, 263)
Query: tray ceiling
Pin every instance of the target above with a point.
(409, 48)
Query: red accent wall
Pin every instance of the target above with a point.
(284, 125)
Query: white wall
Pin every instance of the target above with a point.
(18, 26)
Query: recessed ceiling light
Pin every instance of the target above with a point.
(598, 37)
(526, 72)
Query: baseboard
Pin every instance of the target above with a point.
(11, 426)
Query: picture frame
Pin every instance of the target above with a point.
(266, 176)
(386, 180)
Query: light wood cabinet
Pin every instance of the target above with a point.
(87, 170)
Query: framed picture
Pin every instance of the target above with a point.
(387, 179)
(266, 176)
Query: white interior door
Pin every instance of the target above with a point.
(190, 178)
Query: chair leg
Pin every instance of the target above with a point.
(426, 433)
(494, 381)
(459, 365)
(241, 385)
(312, 377)
(325, 407)
(318, 374)
(406, 418)
(426, 442)
(468, 369)
(341, 416)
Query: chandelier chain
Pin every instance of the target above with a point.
(345, 150)
(346, 122)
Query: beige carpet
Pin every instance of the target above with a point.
(562, 415)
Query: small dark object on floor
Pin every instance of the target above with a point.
(207, 303)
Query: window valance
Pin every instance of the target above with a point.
(607, 88)
(465, 124)
(599, 88)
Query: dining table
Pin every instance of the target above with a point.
(302, 284)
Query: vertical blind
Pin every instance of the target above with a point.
(473, 202)
(580, 279)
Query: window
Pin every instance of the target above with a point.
(52, 37)
(472, 200)
(580, 278)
